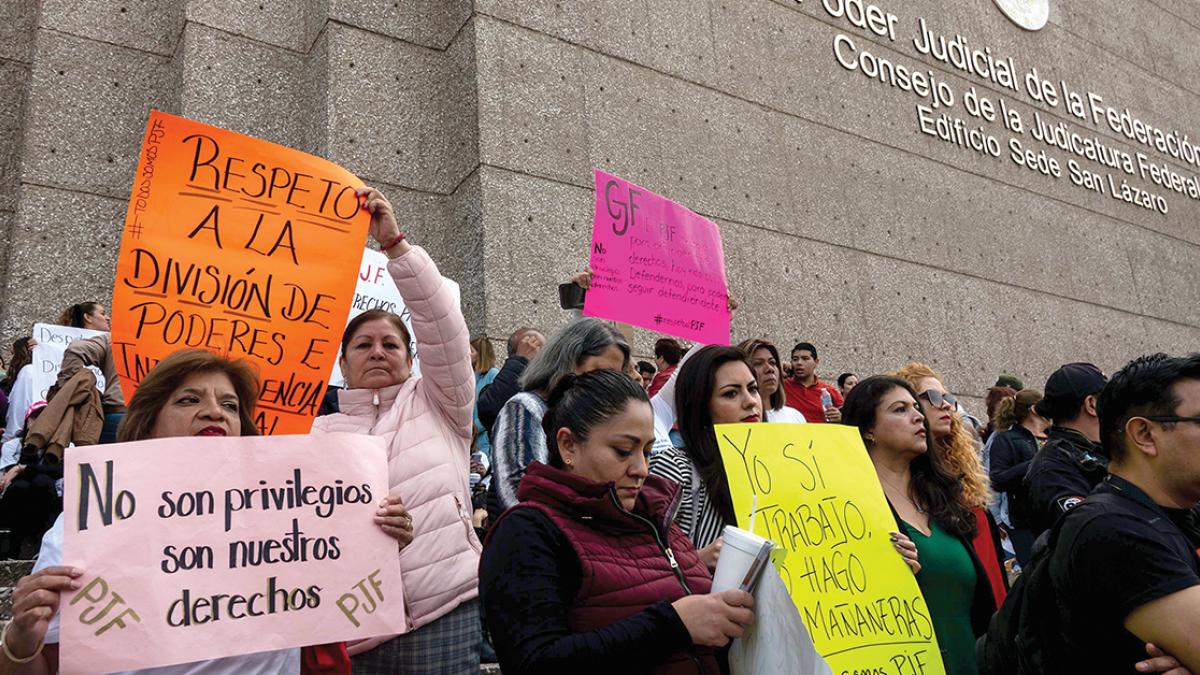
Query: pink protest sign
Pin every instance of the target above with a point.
(199, 548)
(655, 264)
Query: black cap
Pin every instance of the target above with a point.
(1067, 387)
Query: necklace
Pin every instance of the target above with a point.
(902, 492)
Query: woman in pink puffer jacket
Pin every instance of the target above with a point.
(427, 422)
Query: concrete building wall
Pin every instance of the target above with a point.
(385, 89)
(843, 223)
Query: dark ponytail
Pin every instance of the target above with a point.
(580, 402)
(73, 315)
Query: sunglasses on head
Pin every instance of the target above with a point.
(937, 398)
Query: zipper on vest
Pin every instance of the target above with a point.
(661, 544)
(674, 567)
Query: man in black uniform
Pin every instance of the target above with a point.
(1070, 464)
(1126, 566)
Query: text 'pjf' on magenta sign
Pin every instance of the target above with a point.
(656, 264)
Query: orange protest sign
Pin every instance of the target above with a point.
(241, 247)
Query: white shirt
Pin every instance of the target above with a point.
(280, 662)
(18, 402)
(663, 404)
(10, 452)
(787, 415)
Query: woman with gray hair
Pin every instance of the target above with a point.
(582, 346)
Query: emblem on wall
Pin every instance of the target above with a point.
(1028, 14)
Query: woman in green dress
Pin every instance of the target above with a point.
(929, 509)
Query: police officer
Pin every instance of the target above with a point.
(1071, 463)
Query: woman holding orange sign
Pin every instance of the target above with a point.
(428, 423)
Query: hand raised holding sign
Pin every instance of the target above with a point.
(384, 228)
(395, 520)
(583, 279)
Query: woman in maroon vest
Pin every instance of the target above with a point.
(589, 573)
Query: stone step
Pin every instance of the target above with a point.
(11, 571)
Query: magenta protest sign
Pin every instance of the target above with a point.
(199, 548)
(656, 265)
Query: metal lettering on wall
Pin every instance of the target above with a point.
(1028, 14)
(1040, 122)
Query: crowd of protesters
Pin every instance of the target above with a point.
(563, 511)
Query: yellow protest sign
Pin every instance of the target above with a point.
(818, 498)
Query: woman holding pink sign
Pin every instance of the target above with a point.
(190, 393)
(427, 422)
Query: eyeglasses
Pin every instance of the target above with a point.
(937, 398)
(1170, 418)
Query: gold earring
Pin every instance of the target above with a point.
(567, 462)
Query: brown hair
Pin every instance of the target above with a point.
(22, 355)
(957, 451)
(485, 355)
(156, 388)
(73, 315)
(372, 315)
(1013, 410)
(748, 347)
(993, 398)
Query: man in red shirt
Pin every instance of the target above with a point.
(804, 388)
(667, 353)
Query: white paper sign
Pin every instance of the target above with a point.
(52, 343)
(376, 290)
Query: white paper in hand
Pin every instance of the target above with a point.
(777, 643)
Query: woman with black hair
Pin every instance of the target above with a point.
(90, 315)
(716, 385)
(927, 502)
(588, 573)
